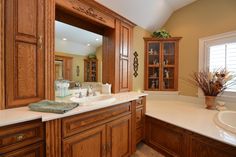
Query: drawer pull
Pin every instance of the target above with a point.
(20, 137)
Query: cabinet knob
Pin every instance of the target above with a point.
(20, 137)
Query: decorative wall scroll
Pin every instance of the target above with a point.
(135, 64)
(77, 70)
(87, 11)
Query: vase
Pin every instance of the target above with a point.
(210, 102)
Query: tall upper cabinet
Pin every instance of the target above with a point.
(161, 64)
(24, 51)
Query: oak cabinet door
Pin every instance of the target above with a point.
(125, 57)
(25, 52)
(90, 143)
(119, 137)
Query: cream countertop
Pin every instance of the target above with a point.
(190, 116)
(23, 114)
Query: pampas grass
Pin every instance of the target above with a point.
(212, 83)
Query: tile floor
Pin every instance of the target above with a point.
(145, 151)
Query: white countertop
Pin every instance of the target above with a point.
(190, 116)
(23, 114)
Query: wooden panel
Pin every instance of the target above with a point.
(49, 49)
(26, 65)
(17, 136)
(87, 12)
(25, 13)
(79, 123)
(36, 150)
(90, 143)
(53, 138)
(24, 52)
(139, 134)
(205, 147)
(2, 61)
(125, 57)
(167, 138)
(119, 137)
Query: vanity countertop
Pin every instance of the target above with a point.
(23, 114)
(190, 116)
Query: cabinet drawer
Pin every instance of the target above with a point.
(139, 117)
(76, 124)
(139, 134)
(139, 103)
(36, 150)
(16, 136)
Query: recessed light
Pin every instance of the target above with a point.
(88, 44)
(97, 39)
(64, 39)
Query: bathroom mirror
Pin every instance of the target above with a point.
(78, 54)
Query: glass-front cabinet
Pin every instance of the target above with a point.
(161, 64)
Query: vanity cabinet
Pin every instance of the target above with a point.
(24, 52)
(23, 139)
(161, 64)
(174, 141)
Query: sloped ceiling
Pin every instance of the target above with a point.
(149, 14)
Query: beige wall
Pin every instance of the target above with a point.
(199, 19)
(99, 58)
(77, 61)
(138, 46)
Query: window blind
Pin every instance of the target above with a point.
(224, 56)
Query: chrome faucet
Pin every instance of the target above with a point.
(90, 90)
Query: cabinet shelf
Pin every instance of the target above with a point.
(166, 71)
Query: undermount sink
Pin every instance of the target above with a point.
(226, 120)
(94, 100)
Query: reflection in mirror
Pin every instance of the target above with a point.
(78, 57)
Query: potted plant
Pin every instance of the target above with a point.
(212, 84)
(162, 33)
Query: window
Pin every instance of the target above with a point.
(223, 56)
(219, 51)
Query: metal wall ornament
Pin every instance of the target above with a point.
(135, 64)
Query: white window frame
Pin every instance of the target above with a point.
(203, 61)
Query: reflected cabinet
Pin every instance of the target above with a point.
(161, 64)
(90, 70)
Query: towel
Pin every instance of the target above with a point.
(52, 106)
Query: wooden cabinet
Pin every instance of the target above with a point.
(23, 139)
(89, 143)
(173, 141)
(107, 132)
(66, 67)
(90, 70)
(119, 137)
(161, 64)
(24, 52)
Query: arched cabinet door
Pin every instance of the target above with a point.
(25, 51)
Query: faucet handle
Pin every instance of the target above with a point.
(80, 95)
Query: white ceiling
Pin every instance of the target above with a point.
(149, 14)
(77, 40)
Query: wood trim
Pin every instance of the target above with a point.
(2, 84)
(49, 49)
(163, 39)
(53, 138)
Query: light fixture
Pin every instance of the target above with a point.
(88, 44)
(97, 39)
(64, 39)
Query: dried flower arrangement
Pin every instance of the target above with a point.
(213, 83)
(162, 33)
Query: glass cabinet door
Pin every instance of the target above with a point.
(168, 65)
(153, 61)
